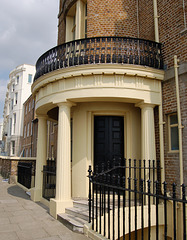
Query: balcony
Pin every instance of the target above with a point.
(101, 50)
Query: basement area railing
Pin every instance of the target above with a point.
(99, 50)
(125, 206)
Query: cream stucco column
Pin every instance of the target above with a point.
(148, 150)
(63, 168)
(36, 193)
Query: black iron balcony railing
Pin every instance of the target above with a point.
(98, 50)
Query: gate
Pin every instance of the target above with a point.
(49, 179)
(25, 173)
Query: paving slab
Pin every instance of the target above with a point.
(23, 219)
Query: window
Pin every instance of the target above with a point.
(14, 123)
(17, 79)
(27, 152)
(173, 132)
(16, 98)
(70, 24)
(32, 103)
(26, 109)
(53, 128)
(28, 130)
(13, 87)
(30, 154)
(10, 129)
(24, 134)
(29, 78)
(52, 151)
(12, 104)
(29, 106)
(31, 127)
(76, 24)
(13, 148)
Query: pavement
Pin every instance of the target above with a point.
(23, 219)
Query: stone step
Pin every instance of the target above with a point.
(74, 223)
(80, 212)
(81, 203)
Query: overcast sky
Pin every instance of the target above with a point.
(28, 28)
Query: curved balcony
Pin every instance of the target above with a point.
(101, 50)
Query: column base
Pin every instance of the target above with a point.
(36, 194)
(57, 206)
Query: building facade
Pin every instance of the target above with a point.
(30, 132)
(111, 85)
(27, 140)
(1, 136)
(18, 90)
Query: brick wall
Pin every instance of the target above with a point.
(146, 20)
(171, 23)
(172, 163)
(8, 167)
(27, 141)
(112, 18)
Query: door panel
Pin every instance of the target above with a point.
(108, 139)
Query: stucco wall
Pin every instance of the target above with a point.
(83, 137)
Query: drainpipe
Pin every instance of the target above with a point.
(161, 123)
(179, 118)
(161, 136)
(156, 20)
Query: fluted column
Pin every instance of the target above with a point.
(148, 147)
(63, 170)
(36, 193)
(148, 132)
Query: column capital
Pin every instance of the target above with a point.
(145, 105)
(67, 104)
(41, 116)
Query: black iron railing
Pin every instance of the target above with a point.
(98, 50)
(49, 179)
(25, 173)
(124, 207)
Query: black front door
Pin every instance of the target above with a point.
(108, 139)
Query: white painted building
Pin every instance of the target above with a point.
(1, 134)
(18, 90)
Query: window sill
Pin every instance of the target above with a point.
(173, 151)
(183, 31)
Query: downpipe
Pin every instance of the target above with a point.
(161, 122)
(179, 118)
(156, 20)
